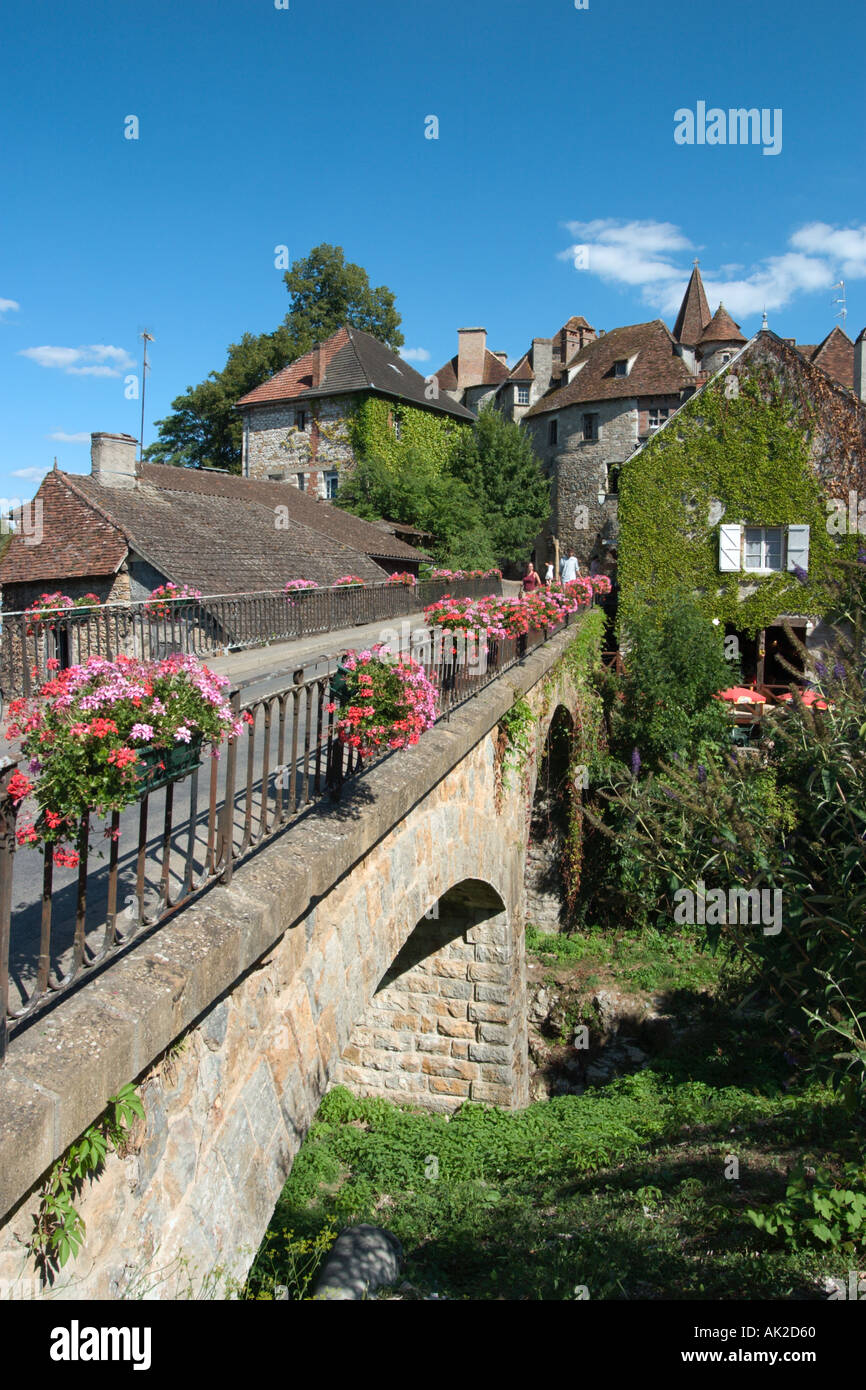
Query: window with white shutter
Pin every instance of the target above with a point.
(729, 548)
(798, 547)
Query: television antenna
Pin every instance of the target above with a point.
(147, 338)
(843, 312)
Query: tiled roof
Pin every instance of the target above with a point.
(657, 371)
(836, 355)
(350, 360)
(722, 329)
(522, 371)
(576, 321)
(213, 531)
(495, 371)
(694, 312)
(76, 541)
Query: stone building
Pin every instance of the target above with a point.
(296, 424)
(128, 527)
(734, 502)
(591, 398)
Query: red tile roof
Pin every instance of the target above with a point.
(836, 355)
(657, 371)
(77, 541)
(722, 329)
(522, 371)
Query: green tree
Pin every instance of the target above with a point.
(495, 461)
(326, 291)
(416, 491)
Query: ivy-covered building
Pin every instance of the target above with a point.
(743, 496)
(348, 396)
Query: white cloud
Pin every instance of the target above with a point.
(415, 354)
(82, 361)
(643, 255)
(63, 438)
(7, 304)
(31, 475)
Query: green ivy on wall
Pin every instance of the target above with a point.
(751, 453)
(372, 432)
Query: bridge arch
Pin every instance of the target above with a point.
(548, 822)
(442, 1026)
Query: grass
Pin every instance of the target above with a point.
(621, 1192)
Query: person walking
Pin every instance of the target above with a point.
(531, 580)
(570, 568)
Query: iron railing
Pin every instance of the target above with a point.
(152, 629)
(58, 926)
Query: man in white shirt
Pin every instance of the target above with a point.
(569, 569)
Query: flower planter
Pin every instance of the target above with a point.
(163, 765)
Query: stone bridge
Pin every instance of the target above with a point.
(378, 943)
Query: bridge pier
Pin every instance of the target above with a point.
(446, 1023)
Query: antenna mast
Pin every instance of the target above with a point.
(147, 339)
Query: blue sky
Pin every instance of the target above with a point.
(261, 127)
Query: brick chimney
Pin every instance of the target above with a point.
(318, 364)
(860, 366)
(471, 347)
(112, 460)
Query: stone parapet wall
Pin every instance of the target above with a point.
(234, 1016)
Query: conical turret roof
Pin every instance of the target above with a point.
(694, 312)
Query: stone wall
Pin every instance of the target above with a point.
(446, 1023)
(235, 1015)
(275, 446)
(580, 471)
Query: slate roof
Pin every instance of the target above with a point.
(694, 312)
(722, 329)
(216, 532)
(657, 371)
(494, 372)
(350, 361)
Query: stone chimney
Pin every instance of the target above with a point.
(860, 366)
(471, 347)
(503, 357)
(112, 460)
(542, 363)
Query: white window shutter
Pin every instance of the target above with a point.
(798, 547)
(729, 547)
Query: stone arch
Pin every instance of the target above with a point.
(548, 824)
(446, 1022)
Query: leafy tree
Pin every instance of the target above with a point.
(326, 292)
(676, 664)
(497, 464)
(417, 492)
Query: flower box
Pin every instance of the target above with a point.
(163, 765)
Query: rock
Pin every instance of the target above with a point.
(362, 1260)
(539, 1004)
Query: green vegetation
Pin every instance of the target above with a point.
(326, 291)
(752, 451)
(516, 737)
(58, 1228)
(621, 1191)
(480, 491)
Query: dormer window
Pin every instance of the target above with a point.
(523, 395)
(620, 367)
